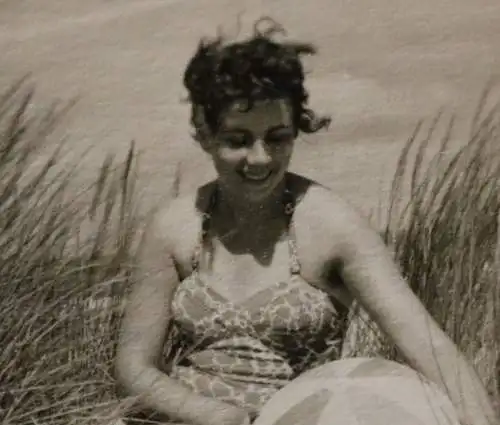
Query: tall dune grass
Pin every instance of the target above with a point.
(56, 349)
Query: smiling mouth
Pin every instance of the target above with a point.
(256, 178)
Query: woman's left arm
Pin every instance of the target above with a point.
(371, 275)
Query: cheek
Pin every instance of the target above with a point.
(284, 153)
(229, 157)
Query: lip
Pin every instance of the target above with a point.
(257, 178)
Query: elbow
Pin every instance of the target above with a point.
(123, 371)
(129, 372)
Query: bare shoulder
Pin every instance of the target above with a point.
(323, 207)
(174, 217)
(328, 222)
(180, 213)
(326, 204)
(177, 223)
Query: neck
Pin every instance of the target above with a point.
(241, 212)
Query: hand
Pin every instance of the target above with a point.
(225, 414)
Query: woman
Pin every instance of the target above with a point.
(256, 270)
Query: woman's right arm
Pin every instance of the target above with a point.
(146, 319)
(143, 331)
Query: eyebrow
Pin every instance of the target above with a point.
(244, 130)
(280, 127)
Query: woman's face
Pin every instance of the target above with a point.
(252, 148)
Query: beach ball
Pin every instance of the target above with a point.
(359, 391)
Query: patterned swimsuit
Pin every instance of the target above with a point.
(243, 352)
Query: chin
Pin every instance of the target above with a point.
(254, 193)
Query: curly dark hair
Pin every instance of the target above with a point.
(255, 69)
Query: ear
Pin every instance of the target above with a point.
(202, 132)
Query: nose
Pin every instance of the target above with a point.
(258, 154)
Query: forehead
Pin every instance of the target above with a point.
(263, 114)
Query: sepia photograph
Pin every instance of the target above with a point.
(236, 212)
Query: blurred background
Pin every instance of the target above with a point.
(380, 68)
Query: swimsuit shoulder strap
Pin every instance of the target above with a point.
(204, 228)
(289, 204)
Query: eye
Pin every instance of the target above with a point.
(279, 136)
(235, 139)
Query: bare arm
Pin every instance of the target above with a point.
(369, 272)
(147, 316)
